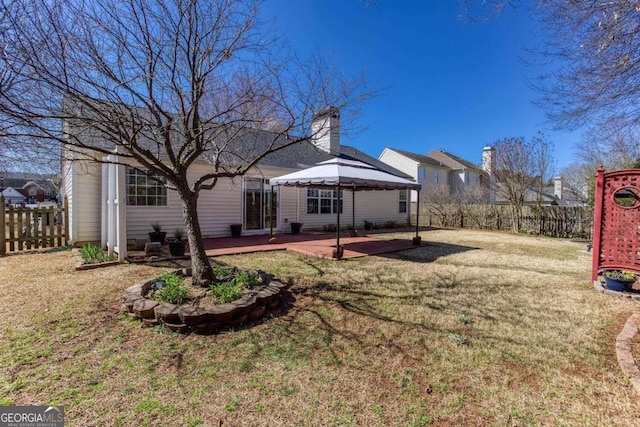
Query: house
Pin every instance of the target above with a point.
(553, 193)
(23, 188)
(101, 194)
(13, 196)
(438, 169)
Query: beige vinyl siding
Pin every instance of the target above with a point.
(291, 206)
(85, 205)
(217, 209)
(400, 162)
(375, 206)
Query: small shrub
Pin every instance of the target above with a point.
(246, 280)
(466, 319)
(94, 254)
(220, 272)
(173, 291)
(329, 227)
(389, 224)
(624, 275)
(458, 339)
(226, 292)
(178, 234)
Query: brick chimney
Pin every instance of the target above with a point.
(326, 130)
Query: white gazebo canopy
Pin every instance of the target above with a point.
(340, 173)
(345, 173)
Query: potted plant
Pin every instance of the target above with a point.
(157, 235)
(296, 227)
(619, 280)
(367, 225)
(236, 230)
(177, 245)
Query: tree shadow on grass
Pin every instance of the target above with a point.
(428, 252)
(444, 295)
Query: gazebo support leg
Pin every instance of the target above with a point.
(354, 233)
(338, 251)
(417, 240)
(272, 237)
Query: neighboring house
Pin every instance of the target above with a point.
(553, 194)
(437, 168)
(13, 196)
(31, 189)
(139, 201)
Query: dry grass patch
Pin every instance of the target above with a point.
(462, 331)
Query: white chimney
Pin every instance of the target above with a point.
(489, 160)
(557, 187)
(326, 130)
(489, 167)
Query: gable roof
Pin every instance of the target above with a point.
(21, 180)
(440, 158)
(240, 143)
(305, 155)
(424, 160)
(452, 161)
(12, 193)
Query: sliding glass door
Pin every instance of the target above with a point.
(260, 208)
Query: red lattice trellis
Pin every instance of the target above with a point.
(616, 234)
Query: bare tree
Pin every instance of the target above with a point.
(18, 152)
(438, 201)
(613, 144)
(165, 84)
(521, 169)
(578, 181)
(596, 46)
(543, 163)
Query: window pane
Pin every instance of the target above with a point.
(312, 192)
(143, 190)
(312, 206)
(335, 204)
(325, 205)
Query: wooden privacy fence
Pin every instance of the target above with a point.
(26, 228)
(554, 221)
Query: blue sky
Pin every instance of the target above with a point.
(447, 84)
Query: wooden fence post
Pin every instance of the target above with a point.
(3, 228)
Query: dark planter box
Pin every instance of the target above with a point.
(296, 227)
(158, 236)
(236, 230)
(177, 248)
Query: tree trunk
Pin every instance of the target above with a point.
(516, 212)
(201, 274)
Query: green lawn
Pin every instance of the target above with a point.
(474, 328)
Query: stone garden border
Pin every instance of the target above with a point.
(202, 320)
